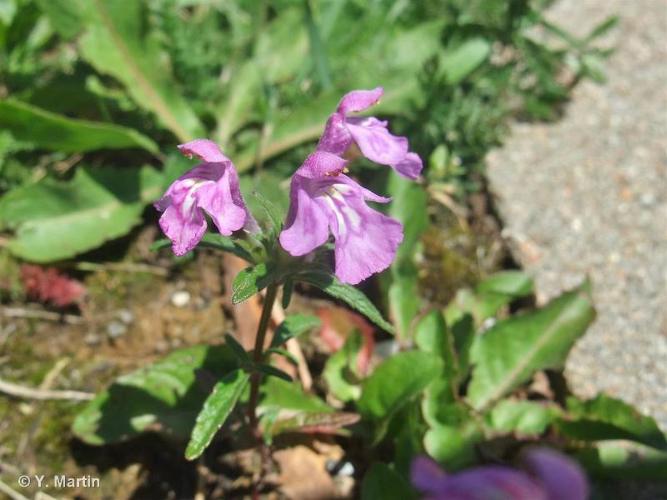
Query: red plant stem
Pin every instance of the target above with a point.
(258, 355)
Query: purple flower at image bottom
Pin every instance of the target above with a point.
(370, 135)
(212, 187)
(324, 200)
(547, 475)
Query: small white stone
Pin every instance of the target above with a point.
(180, 298)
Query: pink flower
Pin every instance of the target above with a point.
(549, 476)
(212, 187)
(369, 134)
(323, 200)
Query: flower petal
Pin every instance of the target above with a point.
(183, 223)
(426, 475)
(336, 138)
(306, 227)
(410, 166)
(366, 240)
(216, 198)
(321, 164)
(560, 476)
(358, 100)
(376, 142)
(490, 482)
(204, 149)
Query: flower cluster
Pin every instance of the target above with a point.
(547, 475)
(324, 200)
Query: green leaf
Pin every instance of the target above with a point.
(217, 241)
(217, 408)
(239, 351)
(381, 482)
(115, 44)
(293, 326)
(606, 418)
(165, 396)
(395, 382)
(528, 418)
(340, 370)
(59, 133)
(453, 445)
(457, 63)
(611, 460)
(55, 220)
(250, 281)
(281, 395)
(510, 352)
(513, 284)
(348, 294)
(272, 371)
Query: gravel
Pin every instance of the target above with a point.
(588, 196)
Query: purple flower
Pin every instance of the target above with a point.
(369, 134)
(323, 200)
(211, 187)
(551, 476)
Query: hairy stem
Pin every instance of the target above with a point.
(258, 355)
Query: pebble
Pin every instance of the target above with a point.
(180, 298)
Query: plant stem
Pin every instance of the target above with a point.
(258, 355)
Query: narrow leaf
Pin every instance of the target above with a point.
(59, 133)
(216, 409)
(348, 294)
(250, 281)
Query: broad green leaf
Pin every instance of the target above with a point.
(115, 44)
(395, 382)
(348, 294)
(51, 131)
(217, 408)
(510, 352)
(250, 281)
(457, 63)
(607, 418)
(55, 220)
(381, 482)
(289, 396)
(528, 418)
(453, 445)
(340, 371)
(293, 326)
(165, 396)
(614, 460)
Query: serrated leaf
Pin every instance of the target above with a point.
(510, 352)
(115, 44)
(164, 396)
(382, 482)
(250, 281)
(348, 294)
(528, 418)
(395, 382)
(293, 326)
(607, 418)
(55, 220)
(59, 133)
(215, 411)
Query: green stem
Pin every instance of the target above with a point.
(258, 356)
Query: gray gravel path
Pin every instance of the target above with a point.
(588, 196)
